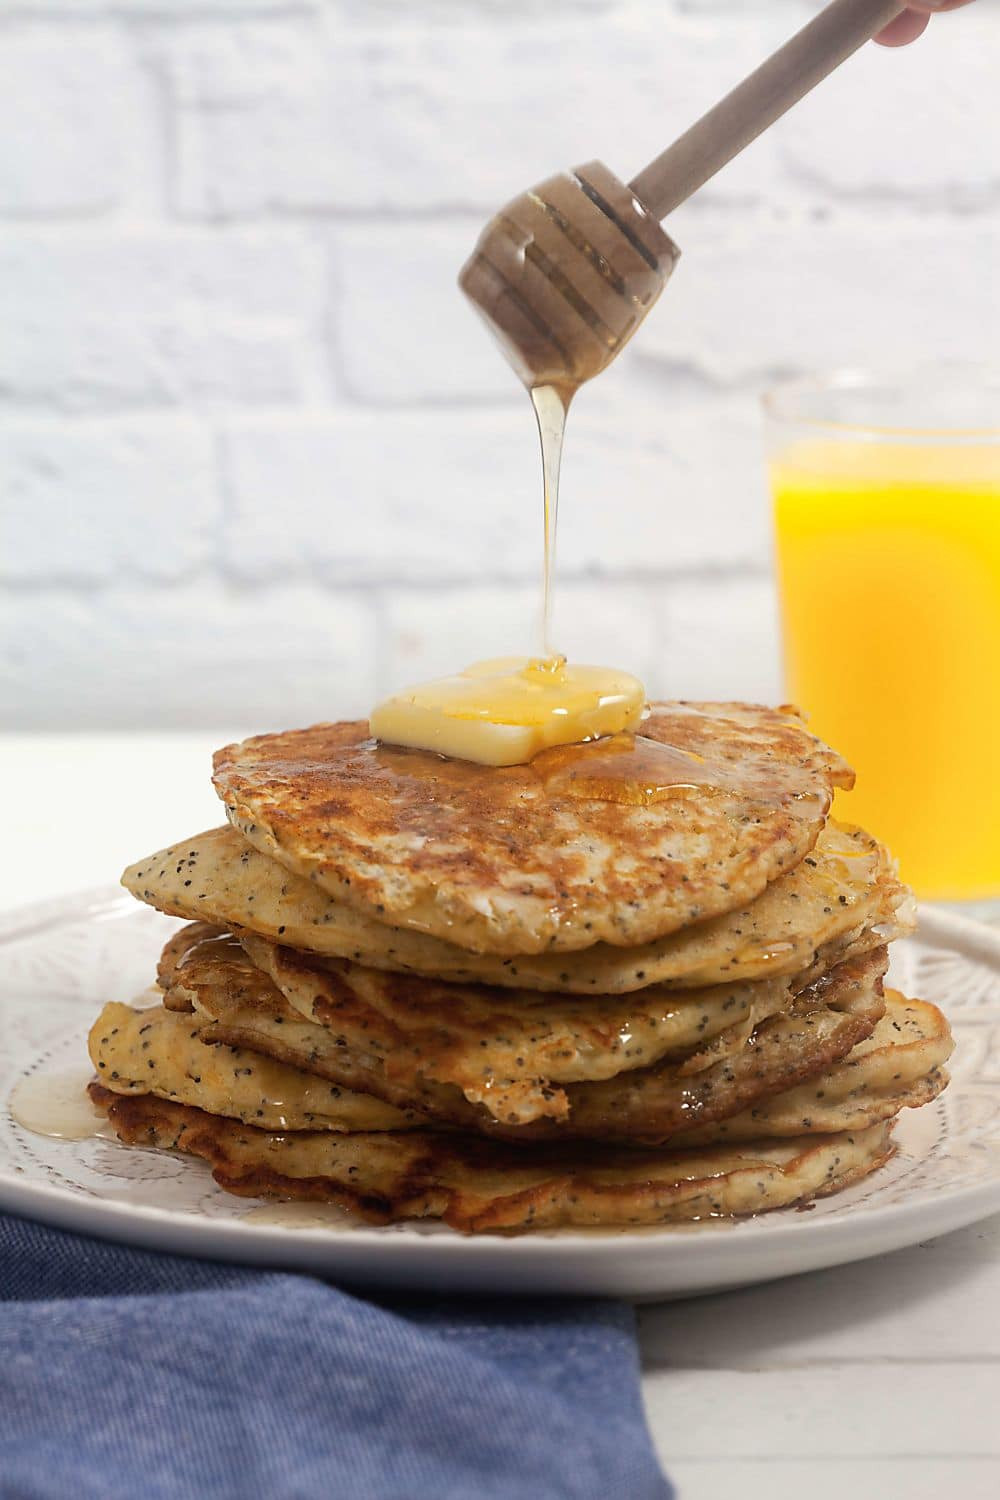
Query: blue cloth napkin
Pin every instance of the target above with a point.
(125, 1373)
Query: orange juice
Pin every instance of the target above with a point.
(889, 573)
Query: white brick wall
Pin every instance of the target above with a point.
(258, 462)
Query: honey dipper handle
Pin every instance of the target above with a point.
(759, 100)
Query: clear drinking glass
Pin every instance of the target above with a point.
(887, 527)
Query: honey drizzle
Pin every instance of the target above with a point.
(57, 1105)
(551, 406)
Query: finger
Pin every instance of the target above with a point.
(905, 28)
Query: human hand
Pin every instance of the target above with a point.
(913, 21)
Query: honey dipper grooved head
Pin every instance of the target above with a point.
(565, 274)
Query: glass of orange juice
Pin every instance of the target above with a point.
(887, 525)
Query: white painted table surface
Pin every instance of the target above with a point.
(874, 1381)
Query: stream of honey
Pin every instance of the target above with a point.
(503, 712)
(551, 409)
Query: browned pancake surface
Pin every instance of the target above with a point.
(619, 841)
(901, 1065)
(651, 1104)
(480, 1186)
(512, 1050)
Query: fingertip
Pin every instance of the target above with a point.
(904, 29)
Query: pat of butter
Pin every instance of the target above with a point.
(503, 712)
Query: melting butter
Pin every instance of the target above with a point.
(503, 712)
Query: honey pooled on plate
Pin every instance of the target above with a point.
(503, 712)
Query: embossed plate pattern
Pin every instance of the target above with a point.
(63, 960)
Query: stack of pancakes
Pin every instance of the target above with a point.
(636, 981)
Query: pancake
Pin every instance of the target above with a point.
(509, 1050)
(653, 1103)
(504, 1049)
(479, 1186)
(620, 841)
(656, 1104)
(900, 1066)
(157, 1051)
(814, 913)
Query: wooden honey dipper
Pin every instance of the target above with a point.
(566, 272)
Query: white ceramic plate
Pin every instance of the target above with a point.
(60, 962)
